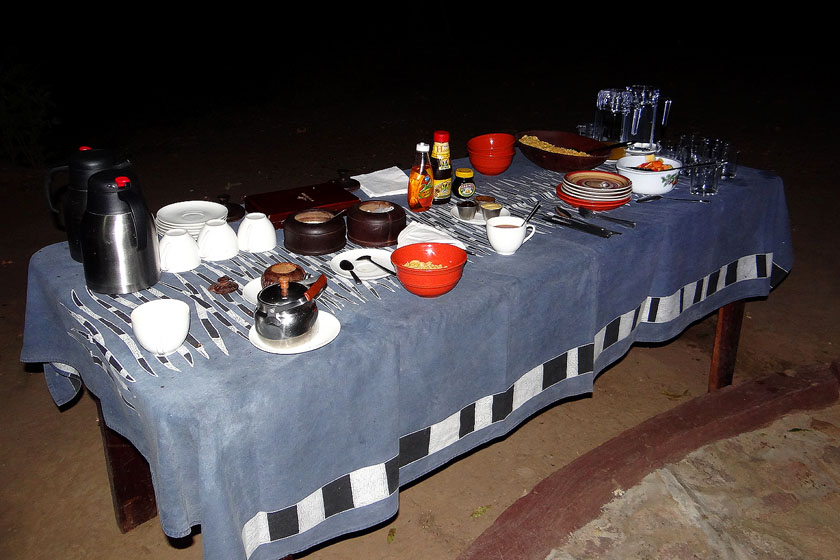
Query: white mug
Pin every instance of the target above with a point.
(161, 325)
(507, 233)
(217, 241)
(178, 251)
(256, 233)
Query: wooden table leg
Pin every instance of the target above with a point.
(725, 349)
(131, 480)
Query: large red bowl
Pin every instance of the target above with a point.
(429, 282)
(562, 162)
(490, 164)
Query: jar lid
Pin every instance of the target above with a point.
(441, 136)
(464, 172)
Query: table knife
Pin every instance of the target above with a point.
(580, 226)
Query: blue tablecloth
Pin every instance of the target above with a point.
(273, 454)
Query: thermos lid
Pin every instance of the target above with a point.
(86, 161)
(109, 191)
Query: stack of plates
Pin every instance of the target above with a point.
(190, 215)
(596, 190)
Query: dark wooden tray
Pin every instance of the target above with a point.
(279, 205)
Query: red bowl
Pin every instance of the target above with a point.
(492, 141)
(501, 152)
(490, 165)
(429, 282)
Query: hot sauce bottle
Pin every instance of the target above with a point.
(420, 187)
(441, 167)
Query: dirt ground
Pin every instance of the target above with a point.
(242, 133)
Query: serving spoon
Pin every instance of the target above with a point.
(348, 266)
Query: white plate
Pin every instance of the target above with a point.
(365, 270)
(251, 290)
(324, 331)
(478, 220)
(191, 212)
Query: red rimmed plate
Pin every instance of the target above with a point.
(592, 205)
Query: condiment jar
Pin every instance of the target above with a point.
(463, 186)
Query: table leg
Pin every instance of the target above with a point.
(131, 480)
(725, 348)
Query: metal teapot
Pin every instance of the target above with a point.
(68, 203)
(118, 235)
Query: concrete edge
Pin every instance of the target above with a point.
(574, 495)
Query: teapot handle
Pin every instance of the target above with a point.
(139, 213)
(48, 185)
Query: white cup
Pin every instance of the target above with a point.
(507, 233)
(217, 241)
(161, 325)
(256, 233)
(178, 251)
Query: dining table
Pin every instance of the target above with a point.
(273, 453)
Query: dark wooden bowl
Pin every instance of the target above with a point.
(375, 223)
(562, 162)
(314, 232)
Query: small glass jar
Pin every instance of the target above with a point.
(463, 187)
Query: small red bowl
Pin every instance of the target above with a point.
(492, 141)
(429, 282)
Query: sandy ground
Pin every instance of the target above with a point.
(54, 495)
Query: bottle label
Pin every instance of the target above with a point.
(426, 189)
(440, 152)
(443, 188)
(466, 189)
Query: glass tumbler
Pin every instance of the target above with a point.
(705, 179)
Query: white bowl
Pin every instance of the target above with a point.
(648, 182)
(162, 325)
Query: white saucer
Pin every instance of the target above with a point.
(478, 220)
(251, 290)
(324, 331)
(363, 269)
(190, 212)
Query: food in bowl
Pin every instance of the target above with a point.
(653, 163)
(563, 162)
(548, 147)
(424, 265)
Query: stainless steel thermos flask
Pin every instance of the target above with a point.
(119, 238)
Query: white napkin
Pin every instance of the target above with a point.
(384, 183)
(415, 232)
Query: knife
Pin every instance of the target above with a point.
(581, 226)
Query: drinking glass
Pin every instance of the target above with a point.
(613, 115)
(727, 155)
(705, 179)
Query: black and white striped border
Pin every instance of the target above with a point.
(376, 482)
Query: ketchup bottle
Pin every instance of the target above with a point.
(420, 187)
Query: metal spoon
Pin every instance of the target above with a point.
(587, 213)
(370, 259)
(651, 198)
(347, 265)
(534, 211)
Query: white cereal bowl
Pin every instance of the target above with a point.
(161, 325)
(648, 182)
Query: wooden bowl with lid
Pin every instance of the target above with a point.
(375, 223)
(314, 232)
